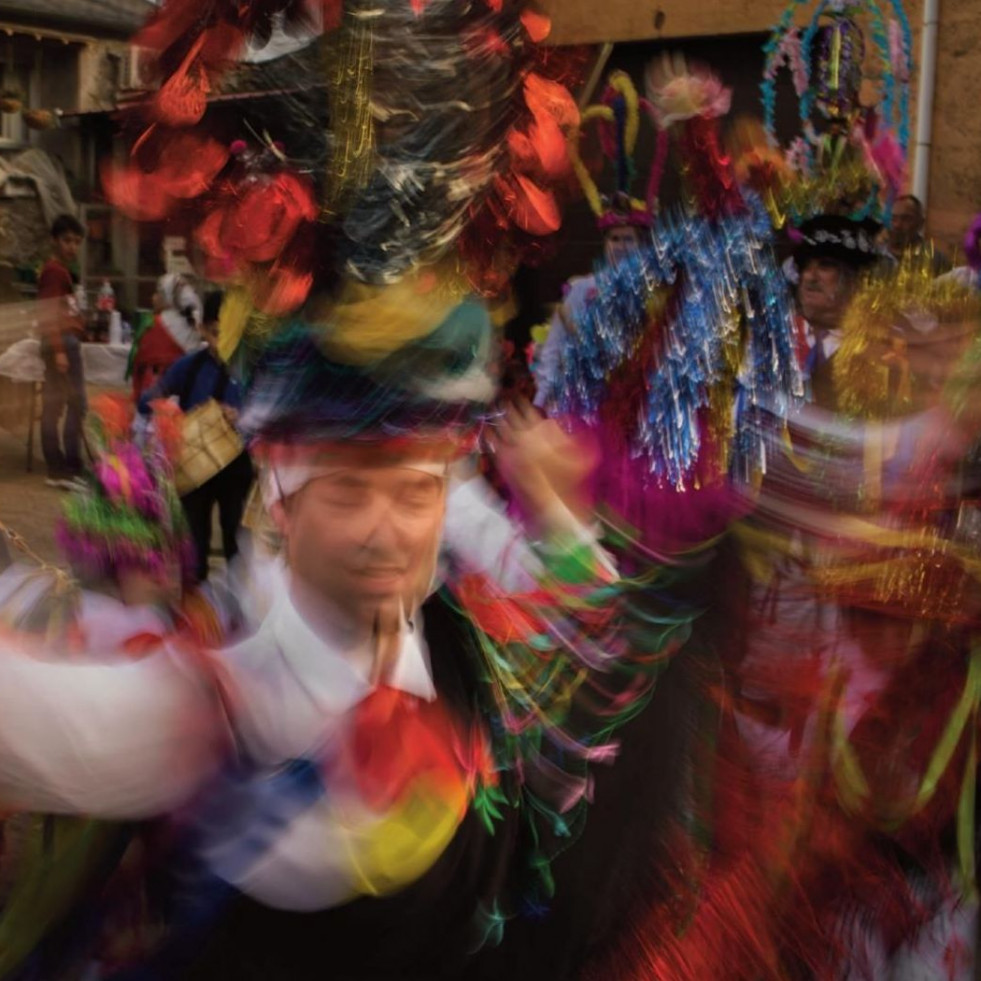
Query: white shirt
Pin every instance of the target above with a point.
(830, 340)
(107, 623)
(138, 739)
(479, 537)
(289, 687)
(135, 739)
(291, 691)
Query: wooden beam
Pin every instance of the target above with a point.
(46, 34)
(592, 22)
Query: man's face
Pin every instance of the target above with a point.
(210, 334)
(824, 292)
(366, 538)
(67, 246)
(907, 223)
(619, 242)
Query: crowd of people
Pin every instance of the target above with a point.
(654, 657)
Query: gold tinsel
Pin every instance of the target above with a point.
(871, 369)
(930, 582)
(348, 61)
(722, 420)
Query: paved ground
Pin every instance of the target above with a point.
(27, 506)
(30, 508)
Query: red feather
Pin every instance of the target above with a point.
(399, 738)
(532, 208)
(185, 168)
(538, 26)
(280, 291)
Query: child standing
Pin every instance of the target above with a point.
(63, 391)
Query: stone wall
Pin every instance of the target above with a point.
(24, 234)
(955, 159)
(588, 21)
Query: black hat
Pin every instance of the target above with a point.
(850, 242)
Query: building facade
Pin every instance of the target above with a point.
(63, 66)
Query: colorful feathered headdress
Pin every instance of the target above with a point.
(128, 516)
(394, 136)
(849, 159)
(407, 159)
(618, 117)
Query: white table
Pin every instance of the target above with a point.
(104, 364)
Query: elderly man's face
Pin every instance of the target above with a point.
(907, 223)
(825, 290)
(366, 538)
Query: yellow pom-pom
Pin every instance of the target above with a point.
(369, 323)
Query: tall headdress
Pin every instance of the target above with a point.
(850, 66)
(128, 516)
(618, 117)
(407, 164)
(404, 135)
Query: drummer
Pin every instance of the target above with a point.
(194, 380)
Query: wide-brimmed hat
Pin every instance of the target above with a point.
(850, 242)
(436, 389)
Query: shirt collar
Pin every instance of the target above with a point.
(830, 340)
(339, 678)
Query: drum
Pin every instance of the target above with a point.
(210, 444)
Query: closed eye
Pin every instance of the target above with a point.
(345, 492)
(419, 494)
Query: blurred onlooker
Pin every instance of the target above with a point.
(173, 333)
(906, 240)
(61, 327)
(969, 276)
(196, 379)
(624, 233)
